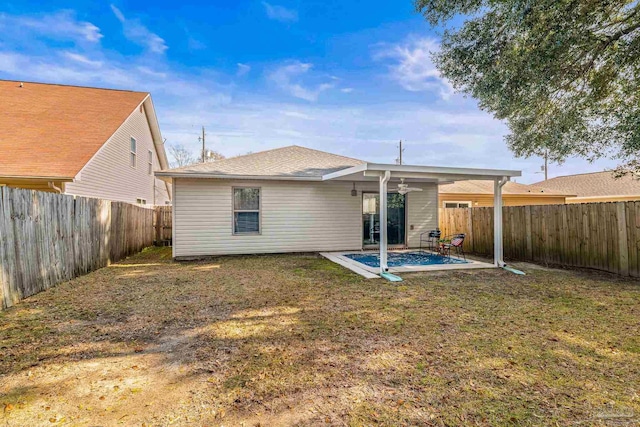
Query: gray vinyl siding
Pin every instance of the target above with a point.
(422, 212)
(109, 175)
(295, 216)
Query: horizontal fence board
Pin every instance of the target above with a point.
(602, 236)
(48, 238)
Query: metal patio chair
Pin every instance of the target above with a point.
(431, 240)
(455, 242)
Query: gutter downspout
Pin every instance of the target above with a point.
(498, 249)
(384, 179)
(53, 186)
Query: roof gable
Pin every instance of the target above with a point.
(292, 161)
(52, 131)
(593, 184)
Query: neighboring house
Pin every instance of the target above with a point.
(594, 187)
(295, 199)
(82, 141)
(474, 193)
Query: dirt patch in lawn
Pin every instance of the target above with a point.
(298, 340)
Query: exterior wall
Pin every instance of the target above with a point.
(422, 212)
(109, 175)
(296, 216)
(486, 200)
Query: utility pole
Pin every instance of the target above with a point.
(401, 150)
(546, 164)
(203, 147)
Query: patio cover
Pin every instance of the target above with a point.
(386, 173)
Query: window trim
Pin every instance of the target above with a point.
(233, 211)
(444, 204)
(133, 154)
(150, 163)
(141, 199)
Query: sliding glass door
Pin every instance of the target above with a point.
(371, 219)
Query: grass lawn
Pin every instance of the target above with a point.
(298, 340)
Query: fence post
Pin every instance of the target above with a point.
(527, 222)
(622, 238)
(469, 227)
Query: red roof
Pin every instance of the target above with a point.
(52, 131)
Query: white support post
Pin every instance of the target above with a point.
(498, 250)
(383, 221)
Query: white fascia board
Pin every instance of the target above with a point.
(432, 172)
(345, 172)
(445, 172)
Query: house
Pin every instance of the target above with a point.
(296, 199)
(476, 193)
(594, 187)
(81, 141)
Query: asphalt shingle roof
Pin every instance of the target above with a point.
(593, 184)
(49, 130)
(292, 161)
(486, 187)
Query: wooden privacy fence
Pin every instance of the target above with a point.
(602, 236)
(48, 238)
(163, 225)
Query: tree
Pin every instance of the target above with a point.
(181, 156)
(212, 156)
(563, 74)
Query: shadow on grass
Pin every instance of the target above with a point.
(295, 339)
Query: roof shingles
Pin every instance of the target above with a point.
(52, 131)
(597, 184)
(486, 187)
(292, 161)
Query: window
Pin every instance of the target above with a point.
(150, 163)
(457, 204)
(246, 210)
(141, 201)
(134, 150)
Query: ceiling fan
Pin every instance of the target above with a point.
(404, 188)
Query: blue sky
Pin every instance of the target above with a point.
(349, 77)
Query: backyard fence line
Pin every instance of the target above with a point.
(163, 225)
(602, 236)
(48, 238)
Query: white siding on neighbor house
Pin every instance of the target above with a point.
(109, 175)
(296, 216)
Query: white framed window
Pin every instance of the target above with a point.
(246, 210)
(457, 204)
(150, 162)
(141, 201)
(134, 152)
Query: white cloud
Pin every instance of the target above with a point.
(346, 90)
(59, 26)
(413, 68)
(82, 59)
(288, 78)
(297, 114)
(280, 13)
(136, 32)
(243, 69)
(151, 72)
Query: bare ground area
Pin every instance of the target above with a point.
(298, 340)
